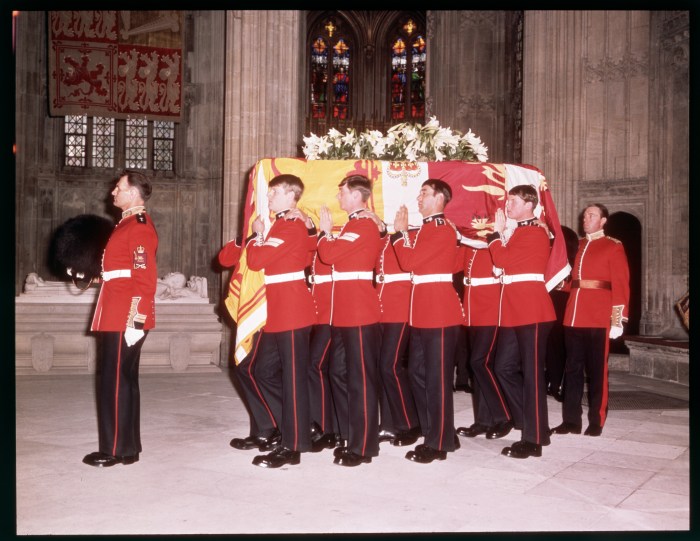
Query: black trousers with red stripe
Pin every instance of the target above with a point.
(431, 360)
(586, 354)
(354, 383)
(490, 405)
(397, 407)
(118, 396)
(282, 372)
(322, 349)
(263, 420)
(521, 353)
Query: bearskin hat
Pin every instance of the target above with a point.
(78, 245)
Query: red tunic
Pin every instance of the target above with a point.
(356, 248)
(481, 298)
(230, 254)
(285, 250)
(322, 289)
(527, 252)
(601, 259)
(435, 251)
(393, 285)
(131, 247)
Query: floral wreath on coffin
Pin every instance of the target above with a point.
(403, 142)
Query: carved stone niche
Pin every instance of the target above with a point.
(52, 322)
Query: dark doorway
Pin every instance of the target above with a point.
(627, 229)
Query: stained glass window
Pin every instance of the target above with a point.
(102, 142)
(319, 78)
(163, 145)
(341, 79)
(75, 132)
(136, 143)
(407, 86)
(330, 71)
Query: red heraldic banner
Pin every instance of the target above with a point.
(116, 64)
(478, 189)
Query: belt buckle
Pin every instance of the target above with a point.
(467, 280)
(380, 278)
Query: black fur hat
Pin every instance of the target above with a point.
(78, 245)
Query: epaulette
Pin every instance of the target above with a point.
(613, 239)
(141, 218)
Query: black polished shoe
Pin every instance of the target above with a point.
(593, 430)
(566, 428)
(103, 460)
(522, 449)
(350, 459)
(327, 441)
(407, 437)
(423, 454)
(340, 450)
(280, 456)
(271, 443)
(471, 431)
(256, 442)
(499, 430)
(386, 435)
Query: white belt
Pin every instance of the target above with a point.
(359, 275)
(429, 278)
(119, 273)
(286, 277)
(320, 278)
(480, 281)
(398, 277)
(510, 278)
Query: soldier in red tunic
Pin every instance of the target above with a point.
(435, 317)
(526, 318)
(124, 314)
(263, 427)
(595, 311)
(482, 291)
(399, 419)
(282, 362)
(355, 313)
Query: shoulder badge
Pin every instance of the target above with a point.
(139, 258)
(141, 218)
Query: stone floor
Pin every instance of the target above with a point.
(635, 477)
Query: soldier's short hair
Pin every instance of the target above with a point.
(289, 182)
(526, 192)
(440, 187)
(139, 181)
(604, 213)
(359, 183)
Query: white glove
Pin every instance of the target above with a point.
(132, 336)
(615, 332)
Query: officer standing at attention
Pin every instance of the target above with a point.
(526, 318)
(124, 314)
(435, 318)
(595, 312)
(355, 314)
(283, 371)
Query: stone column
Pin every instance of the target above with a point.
(264, 73)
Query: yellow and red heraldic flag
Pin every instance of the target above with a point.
(478, 189)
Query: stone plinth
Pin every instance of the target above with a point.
(658, 358)
(52, 335)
